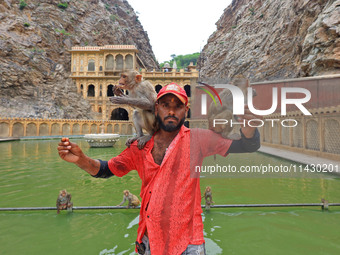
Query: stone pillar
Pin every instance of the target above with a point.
(280, 133)
(25, 126)
(96, 64)
(38, 126)
(104, 111)
(96, 89)
(10, 128)
(304, 132)
(49, 123)
(71, 128)
(173, 72)
(85, 90)
(321, 124)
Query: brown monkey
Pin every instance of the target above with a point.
(142, 95)
(226, 110)
(133, 200)
(64, 201)
(325, 204)
(208, 197)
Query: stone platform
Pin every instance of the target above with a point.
(302, 158)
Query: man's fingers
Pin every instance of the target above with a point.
(62, 152)
(61, 147)
(65, 141)
(72, 145)
(64, 144)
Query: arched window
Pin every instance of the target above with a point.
(100, 68)
(119, 114)
(119, 62)
(128, 62)
(110, 91)
(187, 90)
(90, 91)
(91, 65)
(100, 110)
(109, 63)
(158, 88)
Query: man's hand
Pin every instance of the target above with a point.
(71, 152)
(247, 130)
(68, 151)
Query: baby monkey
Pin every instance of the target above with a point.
(64, 201)
(142, 96)
(208, 197)
(133, 200)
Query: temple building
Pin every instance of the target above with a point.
(95, 70)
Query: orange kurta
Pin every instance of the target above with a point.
(171, 198)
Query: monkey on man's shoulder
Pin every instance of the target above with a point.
(142, 95)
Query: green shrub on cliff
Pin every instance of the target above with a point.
(63, 5)
(22, 4)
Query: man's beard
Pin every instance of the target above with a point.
(169, 127)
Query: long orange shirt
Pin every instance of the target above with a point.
(171, 198)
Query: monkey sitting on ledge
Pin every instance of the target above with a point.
(64, 201)
(133, 200)
(142, 95)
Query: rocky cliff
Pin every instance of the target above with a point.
(274, 39)
(35, 36)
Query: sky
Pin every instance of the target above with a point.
(178, 26)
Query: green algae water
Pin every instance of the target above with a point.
(31, 175)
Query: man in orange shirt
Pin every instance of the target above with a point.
(170, 219)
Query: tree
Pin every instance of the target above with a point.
(183, 61)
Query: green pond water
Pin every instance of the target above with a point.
(31, 174)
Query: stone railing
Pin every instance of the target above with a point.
(26, 127)
(316, 135)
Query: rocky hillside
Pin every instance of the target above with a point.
(35, 36)
(274, 39)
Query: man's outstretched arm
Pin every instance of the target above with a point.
(104, 171)
(72, 153)
(250, 136)
(245, 144)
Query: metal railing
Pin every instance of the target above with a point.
(323, 205)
